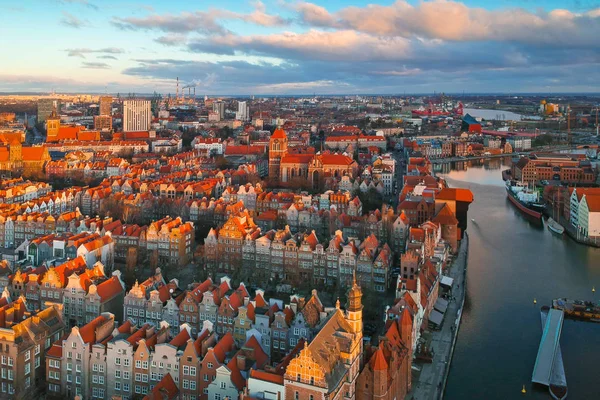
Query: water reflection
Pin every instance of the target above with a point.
(511, 262)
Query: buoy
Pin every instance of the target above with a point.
(523, 390)
(534, 301)
(593, 289)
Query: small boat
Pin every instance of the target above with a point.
(555, 226)
(472, 219)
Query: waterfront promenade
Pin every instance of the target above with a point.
(429, 383)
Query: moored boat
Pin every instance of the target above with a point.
(526, 201)
(555, 226)
(586, 310)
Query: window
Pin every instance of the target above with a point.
(192, 371)
(125, 374)
(94, 367)
(117, 373)
(118, 361)
(186, 384)
(209, 365)
(69, 367)
(37, 349)
(145, 365)
(138, 377)
(117, 385)
(27, 368)
(78, 368)
(126, 362)
(138, 364)
(186, 370)
(223, 385)
(126, 387)
(77, 380)
(205, 378)
(296, 395)
(101, 379)
(217, 396)
(101, 368)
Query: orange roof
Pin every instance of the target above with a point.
(165, 390)
(88, 331)
(110, 288)
(55, 351)
(455, 194)
(181, 339)
(336, 159)
(266, 376)
(279, 134)
(223, 346)
(445, 216)
(377, 361)
(32, 153)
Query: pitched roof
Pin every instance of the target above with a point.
(166, 389)
(279, 134)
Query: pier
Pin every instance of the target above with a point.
(549, 368)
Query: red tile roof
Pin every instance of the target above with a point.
(166, 389)
(110, 288)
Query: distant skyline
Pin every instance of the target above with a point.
(285, 47)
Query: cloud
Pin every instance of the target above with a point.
(314, 44)
(107, 57)
(204, 22)
(72, 21)
(454, 21)
(172, 39)
(80, 2)
(81, 52)
(95, 65)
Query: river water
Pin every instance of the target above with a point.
(499, 115)
(511, 262)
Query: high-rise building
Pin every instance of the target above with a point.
(105, 105)
(243, 111)
(45, 108)
(136, 115)
(219, 107)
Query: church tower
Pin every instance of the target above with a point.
(354, 307)
(278, 146)
(52, 126)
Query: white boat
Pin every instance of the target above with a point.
(555, 226)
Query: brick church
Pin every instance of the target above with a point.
(286, 164)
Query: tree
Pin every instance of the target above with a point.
(111, 207)
(222, 163)
(371, 199)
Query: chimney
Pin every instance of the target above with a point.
(241, 362)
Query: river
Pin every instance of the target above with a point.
(511, 262)
(499, 115)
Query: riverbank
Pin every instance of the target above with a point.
(490, 156)
(430, 382)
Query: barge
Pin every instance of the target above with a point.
(578, 309)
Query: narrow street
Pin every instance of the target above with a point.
(429, 383)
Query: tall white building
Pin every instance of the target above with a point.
(136, 115)
(243, 111)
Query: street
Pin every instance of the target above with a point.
(429, 383)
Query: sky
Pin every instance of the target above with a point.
(279, 47)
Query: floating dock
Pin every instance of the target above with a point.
(549, 369)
